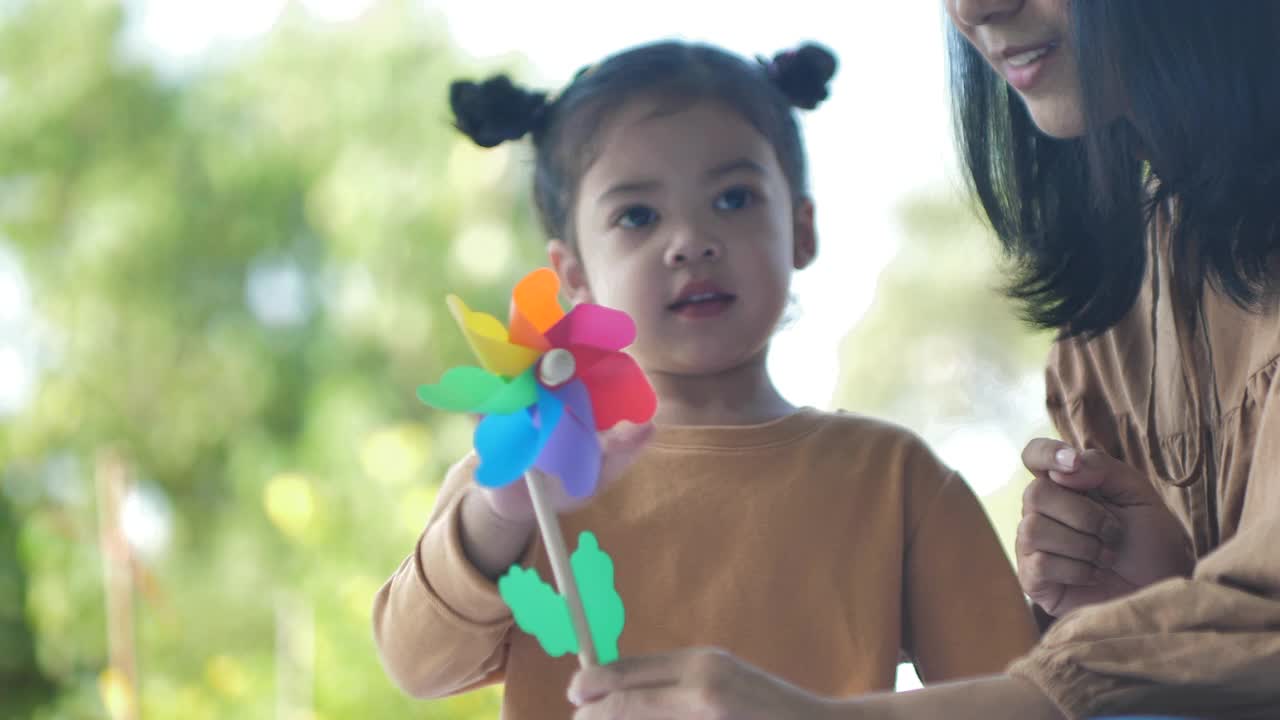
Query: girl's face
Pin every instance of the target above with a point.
(1027, 43)
(685, 221)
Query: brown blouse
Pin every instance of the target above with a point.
(1187, 392)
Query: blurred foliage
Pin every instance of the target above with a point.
(944, 353)
(240, 271)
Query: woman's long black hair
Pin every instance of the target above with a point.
(1197, 88)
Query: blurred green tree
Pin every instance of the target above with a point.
(239, 271)
(24, 685)
(966, 372)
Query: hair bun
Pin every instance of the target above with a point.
(494, 111)
(802, 74)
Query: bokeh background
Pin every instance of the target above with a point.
(226, 229)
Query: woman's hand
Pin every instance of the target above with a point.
(1093, 529)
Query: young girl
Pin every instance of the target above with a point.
(822, 547)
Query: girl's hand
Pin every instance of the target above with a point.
(712, 685)
(1075, 549)
(691, 684)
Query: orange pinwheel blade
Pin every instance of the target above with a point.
(535, 309)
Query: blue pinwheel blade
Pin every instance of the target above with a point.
(508, 444)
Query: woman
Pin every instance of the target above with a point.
(1127, 154)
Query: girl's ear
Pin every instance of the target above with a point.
(805, 235)
(573, 277)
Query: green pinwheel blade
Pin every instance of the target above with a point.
(475, 390)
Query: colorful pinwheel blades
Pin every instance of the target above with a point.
(547, 383)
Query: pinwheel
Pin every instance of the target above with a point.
(548, 382)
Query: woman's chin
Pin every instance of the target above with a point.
(1059, 120)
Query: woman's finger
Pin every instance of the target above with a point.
(1041, 533)
(1073, 509)
(1044, 454)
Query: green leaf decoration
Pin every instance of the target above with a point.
(606, 616)
(538, 610)
(543, 613)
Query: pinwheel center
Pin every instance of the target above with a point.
(556, 368)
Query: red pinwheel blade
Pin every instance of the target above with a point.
(619, 391)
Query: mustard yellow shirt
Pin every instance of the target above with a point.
(820, 547)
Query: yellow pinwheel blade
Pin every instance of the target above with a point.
(488, 340)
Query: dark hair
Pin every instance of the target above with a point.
(1199, 87)
(763, 92)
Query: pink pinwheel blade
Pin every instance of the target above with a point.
(585, 357)
(593, 325)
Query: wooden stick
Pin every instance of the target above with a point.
(540, 491)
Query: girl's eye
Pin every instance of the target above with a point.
(734, 199)
(637, 216)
